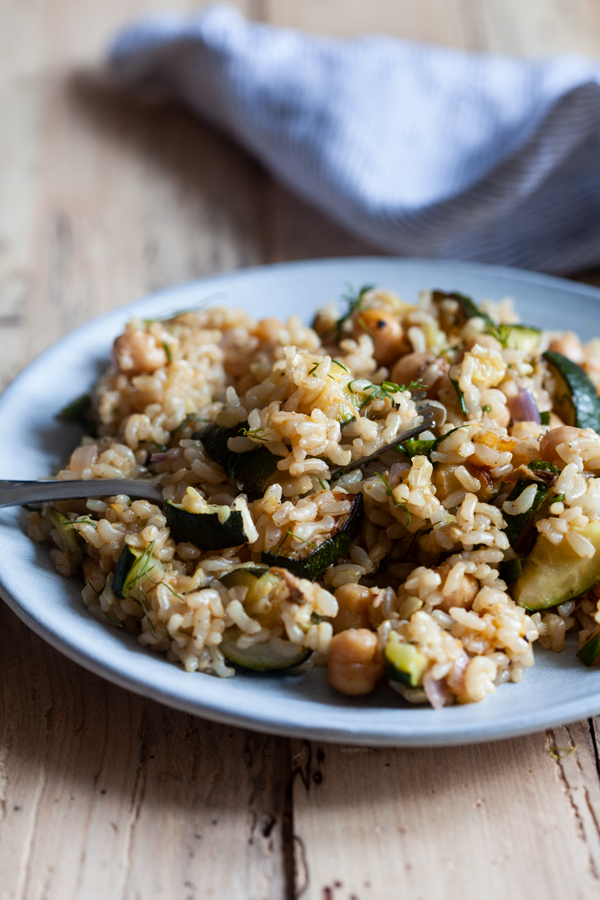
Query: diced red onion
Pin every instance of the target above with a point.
(456, 678)
(436, 691)
(158, 457)
(523, 407)
(395, 471)
(83, 457)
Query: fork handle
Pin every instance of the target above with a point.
(17, 493)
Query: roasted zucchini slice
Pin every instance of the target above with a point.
(269, 655)
(575, 399)
(519, 337)
(590, 650)
(468, 308)
(264, 657)
(553, 574)
(252, 471)
(247, 574)
(543, 476)
(310, 561)
(214, 528)
(516, 337)
(81, 411)
(404, 662)
(134, 568)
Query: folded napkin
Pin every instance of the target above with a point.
(423, 150)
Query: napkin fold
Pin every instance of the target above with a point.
(423, 150)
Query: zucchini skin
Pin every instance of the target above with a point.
(581, 406)
(252, 471)
(552, 574)
(590, 650)
(204, 529)
(326, 553)
(469, 309)
(259, 657)
(516, 526)
(125, 563)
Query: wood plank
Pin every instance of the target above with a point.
(535, 28)
(493, 820)
(437, 21)
(104, 794)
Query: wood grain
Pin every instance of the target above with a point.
(503, 819)
(105, 794)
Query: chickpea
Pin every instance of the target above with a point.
(354, 601)
(138, 351)
(570, 346)
(561, 435)
(355, 662)
(268, 330)
(385, 330)
(409, 367)
(465, 590)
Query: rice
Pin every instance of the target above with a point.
(424, 564)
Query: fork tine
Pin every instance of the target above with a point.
(428, 421)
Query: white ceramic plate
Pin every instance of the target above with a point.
(558, 689)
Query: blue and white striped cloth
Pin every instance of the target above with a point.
(423, 150)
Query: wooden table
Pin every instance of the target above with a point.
(106, 795)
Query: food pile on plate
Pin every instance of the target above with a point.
(434, 565)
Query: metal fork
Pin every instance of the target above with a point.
(18, 493)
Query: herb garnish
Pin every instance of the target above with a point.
(341, 365)
(191, 417)
(562, 752)
(143, 568)
(84, 520)
(255, 433)
(354, 300)
(386, 389)
(112, 621)
(167, 350)
(390, 493)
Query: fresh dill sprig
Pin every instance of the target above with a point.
(84, 520)
(324, 485)
(390, 493)
(387, 389)
(191, 417)
(109, 618)
(441, 439)
(279, 546)
(172, 590)
(341, 365)
(302, 540)
(354, 299)
(255, 433)
(562, 752)
(312, 371)
(142, 572)
(167, 350)
(388, 487)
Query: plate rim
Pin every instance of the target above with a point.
(483, 730)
